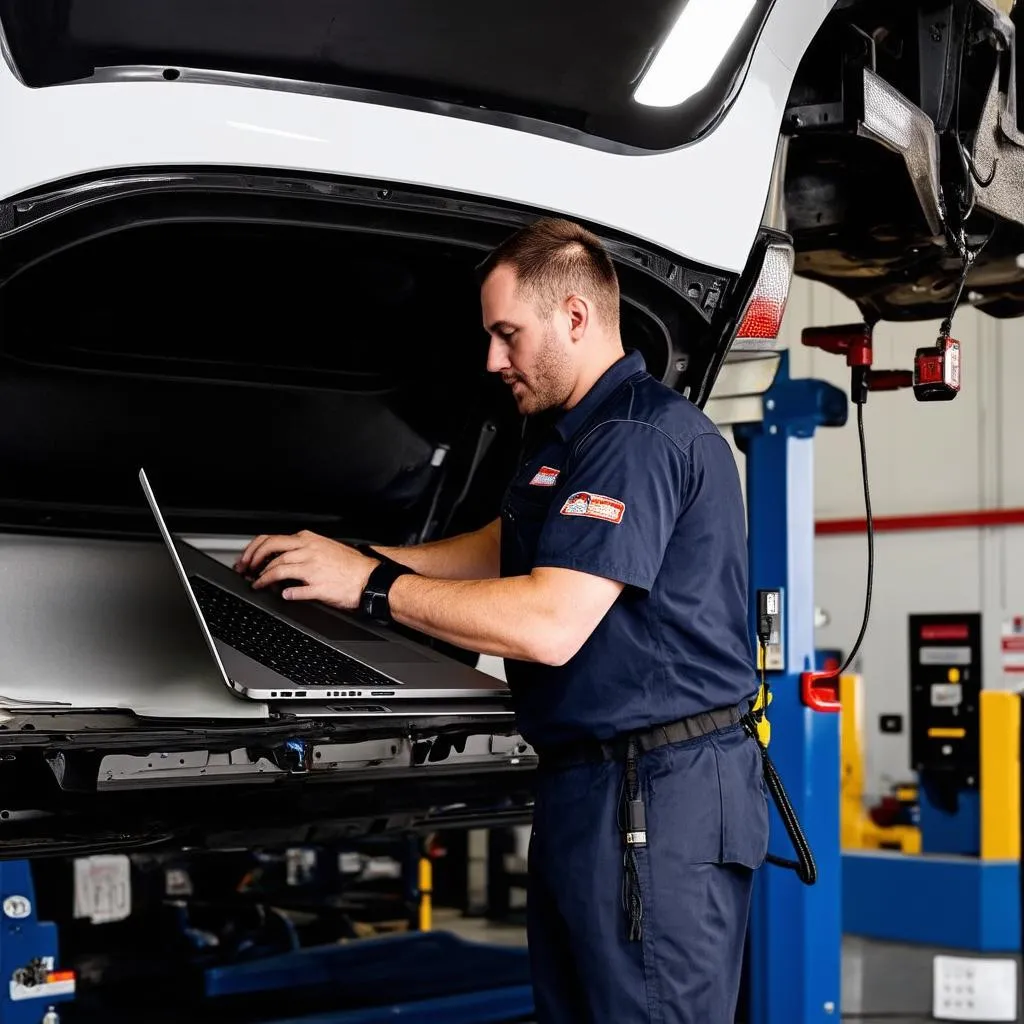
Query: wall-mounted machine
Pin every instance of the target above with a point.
(951, 879)
(945, 726)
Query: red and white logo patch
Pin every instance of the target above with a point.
(594, 506)
(545, 477)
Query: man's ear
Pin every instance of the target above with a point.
(578, 312)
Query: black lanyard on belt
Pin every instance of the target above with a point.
(633, 820)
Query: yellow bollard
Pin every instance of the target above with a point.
(426, 889)
(1000, 775)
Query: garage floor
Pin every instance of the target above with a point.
(883, 983)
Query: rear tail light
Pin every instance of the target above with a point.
(762, 316)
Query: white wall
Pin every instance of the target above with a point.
(923, 458)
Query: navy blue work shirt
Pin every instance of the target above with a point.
(635, 484)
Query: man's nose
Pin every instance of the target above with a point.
(497, 356)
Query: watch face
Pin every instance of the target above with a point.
(375, 604)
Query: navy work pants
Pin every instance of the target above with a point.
(707, 831)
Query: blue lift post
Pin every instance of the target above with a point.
(30, 984)
(796, 930)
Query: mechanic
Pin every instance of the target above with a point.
(614, 584)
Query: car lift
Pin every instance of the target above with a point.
(795, 941)
(795, 950)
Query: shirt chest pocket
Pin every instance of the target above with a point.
(525, 509)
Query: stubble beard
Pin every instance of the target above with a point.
(550, 381)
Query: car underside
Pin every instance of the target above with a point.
(906, 157)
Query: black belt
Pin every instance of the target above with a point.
(588, 751)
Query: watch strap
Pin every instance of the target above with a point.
(367, 549)
(374, 601)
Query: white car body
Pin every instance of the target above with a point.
(703, 201)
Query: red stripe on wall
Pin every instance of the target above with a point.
(926, 521)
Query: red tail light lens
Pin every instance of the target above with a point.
(762, 317)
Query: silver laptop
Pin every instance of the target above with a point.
(269, 649)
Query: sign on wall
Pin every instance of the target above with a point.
(1012, 654)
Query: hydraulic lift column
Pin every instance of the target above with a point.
(31, 987)
(795, 948)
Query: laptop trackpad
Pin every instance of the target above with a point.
(331, 626)
(338, 630)
(396, 654)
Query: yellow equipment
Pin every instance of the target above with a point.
(857, 830)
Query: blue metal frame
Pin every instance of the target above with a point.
(494, 1007)
(796, 930)
(24, 939)
(952, 902)
(409, 966)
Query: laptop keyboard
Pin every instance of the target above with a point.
(266, 639)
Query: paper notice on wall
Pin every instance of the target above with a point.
(1012, 654)
(103, 888)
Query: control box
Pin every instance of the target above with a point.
(945, 688)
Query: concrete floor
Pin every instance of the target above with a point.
(883, 983)
(476, 929)
(894, 982)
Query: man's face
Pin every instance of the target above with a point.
(533, 354)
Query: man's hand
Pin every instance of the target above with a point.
(323, 570)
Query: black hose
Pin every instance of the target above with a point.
(869, 519)
(804, 866)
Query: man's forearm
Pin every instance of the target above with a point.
(508, 618)
(470, 556)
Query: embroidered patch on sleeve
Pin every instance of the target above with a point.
(545, 477)
(594, 506)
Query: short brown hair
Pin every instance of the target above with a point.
(555, 258)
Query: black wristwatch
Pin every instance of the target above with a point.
(374, 602)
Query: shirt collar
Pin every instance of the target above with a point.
(620, 371)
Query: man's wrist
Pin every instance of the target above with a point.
(373, 563)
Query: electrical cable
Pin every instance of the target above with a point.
(632, 820)
(871, 541)
(804, 866)
(869, 520)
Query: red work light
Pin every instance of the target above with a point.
(937, 371)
